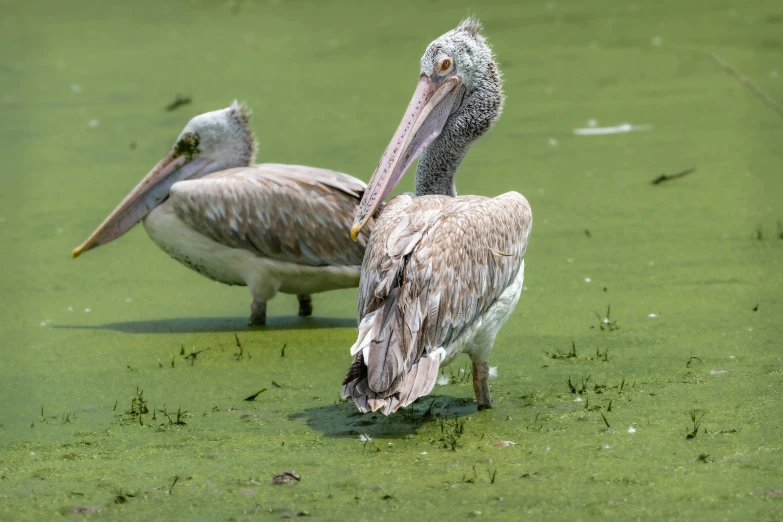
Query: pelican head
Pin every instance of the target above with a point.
(458, 98)
(210, 142)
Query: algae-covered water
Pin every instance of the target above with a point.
(599, 411)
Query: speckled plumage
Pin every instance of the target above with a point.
(441, 273)
(271, 227)
(434, 266)
(274, 228)
(481, 107)
(288, 213)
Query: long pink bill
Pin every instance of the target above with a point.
(148, 194)
(430, 107)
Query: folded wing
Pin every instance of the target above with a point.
(284, 212)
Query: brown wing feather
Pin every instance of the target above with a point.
(283, 212)
(433, 265)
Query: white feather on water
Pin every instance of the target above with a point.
(617, 129)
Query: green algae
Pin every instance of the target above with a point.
(83, 89)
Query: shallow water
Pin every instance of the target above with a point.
(690, 268)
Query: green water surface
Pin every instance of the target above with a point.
(691, 268)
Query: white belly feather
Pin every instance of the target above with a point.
(478, 338)
(236, 266)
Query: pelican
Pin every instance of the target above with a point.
(441, 273)
(273, 228)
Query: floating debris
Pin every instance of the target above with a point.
(618, 129)
(652, 316)
(81, 510)
(286, 478)
(504, 443)
(669, 177)
(256, 394)
(93, 123)
(631, 430)
(747, 82)
(179, 101)
(493, 371)
(718, 372)
(294, 514)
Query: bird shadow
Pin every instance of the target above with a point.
(344, 420)
(216, 324)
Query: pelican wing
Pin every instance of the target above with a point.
(284, 212)
(433, 266)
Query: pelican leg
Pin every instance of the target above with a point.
(257, 313)
(481, 385)
(305, 305)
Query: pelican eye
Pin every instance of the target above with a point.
(187, 146)
(445, 64)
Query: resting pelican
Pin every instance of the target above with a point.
(274, 228)
(442, 273)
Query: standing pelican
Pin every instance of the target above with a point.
(442, 273)
(274, 228)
